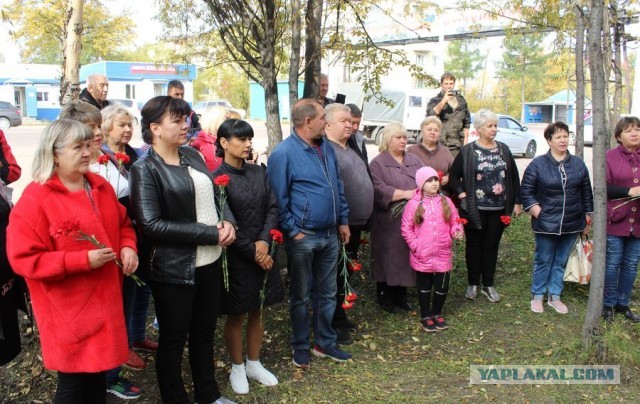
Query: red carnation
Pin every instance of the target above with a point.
(122, 158)
(506, 220)
(276, 236)
(346, 305)
(65, 228)
(364, 241)
(462, 221)
(351, 297)
(221, 180)
(355, 266)
(440, 175)
(103, 159)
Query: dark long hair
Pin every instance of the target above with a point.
(156, 108)
(232, 128)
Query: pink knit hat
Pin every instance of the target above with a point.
(423, 174)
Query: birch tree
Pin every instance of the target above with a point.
(70, 80)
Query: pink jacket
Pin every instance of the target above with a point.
(430, 243)
(206, 145)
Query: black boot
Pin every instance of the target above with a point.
(385, 297)
(400, 298)
(607, 314)
(628, 314)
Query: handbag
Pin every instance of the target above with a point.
(578, 267)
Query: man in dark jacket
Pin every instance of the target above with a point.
(313, 213)
(96, 91)
(453, 111)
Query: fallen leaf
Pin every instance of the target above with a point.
(415, 339)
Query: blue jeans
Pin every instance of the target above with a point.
(623, 254)
(137, 324)
(549, 262)
(312, 269)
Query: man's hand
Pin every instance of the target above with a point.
(345, 233)
(262, 250)
(299, 236)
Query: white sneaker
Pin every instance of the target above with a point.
(238, 379)
(255, 371)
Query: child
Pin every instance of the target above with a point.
(429, 222)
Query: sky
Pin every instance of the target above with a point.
(142, 12)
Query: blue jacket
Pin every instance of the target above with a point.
(310, 194)
(564, 203)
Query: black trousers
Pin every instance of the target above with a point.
(339, 316)
(439, 282)
(188, 312)
(81, 388)
(482, 248)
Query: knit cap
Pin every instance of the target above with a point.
(423, 174)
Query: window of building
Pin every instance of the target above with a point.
(42, 96)
(130, 91)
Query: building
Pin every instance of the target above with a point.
(35, 88)
(559, 107)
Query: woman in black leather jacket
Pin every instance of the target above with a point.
(174, 206)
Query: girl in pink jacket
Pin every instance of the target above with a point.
(429, 223)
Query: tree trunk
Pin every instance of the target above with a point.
(312, 52)
(617, 58)
(626, 72)
(274, 130)
(580, 83)
(591, 327)
(70, 80)
(294, 61)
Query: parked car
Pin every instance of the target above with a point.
(513, 134)
(131, 105)
(587, 133)
(10, 115)
(202, 106)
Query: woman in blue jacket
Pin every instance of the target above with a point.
(556, 190)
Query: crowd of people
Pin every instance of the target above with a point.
(194, 223)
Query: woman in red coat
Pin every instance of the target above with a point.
(75, 285)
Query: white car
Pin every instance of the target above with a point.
(131, 106)
(514, 135)
(202, 106)
(587, 134)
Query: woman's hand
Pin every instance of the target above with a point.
(129, 260)
(517, 209)
(587, 228)
(444, 180)
(535, 210)
(634, 192)
(459, 235)
(226, 234)
(98, 258)
(262, 250)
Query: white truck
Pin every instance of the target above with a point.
(409, 108)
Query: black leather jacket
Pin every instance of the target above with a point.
(164, 209)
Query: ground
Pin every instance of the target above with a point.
(395, 361)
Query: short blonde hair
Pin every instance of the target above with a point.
(56, 136)
(484, 116)
(388, 132)
(109, 115)
(212, 118)
(431, 119)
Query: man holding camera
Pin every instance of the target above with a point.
(453, 111)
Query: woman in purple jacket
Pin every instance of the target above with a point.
(623, 212)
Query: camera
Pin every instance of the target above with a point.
(455, 92)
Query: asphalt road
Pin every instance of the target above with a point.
(24, 140)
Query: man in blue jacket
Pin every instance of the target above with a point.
(313, 212)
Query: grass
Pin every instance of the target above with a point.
(395, 361)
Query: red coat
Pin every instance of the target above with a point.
(206, 145)
(9, 168)
(78, 310)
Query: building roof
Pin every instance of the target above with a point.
(561, 98)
